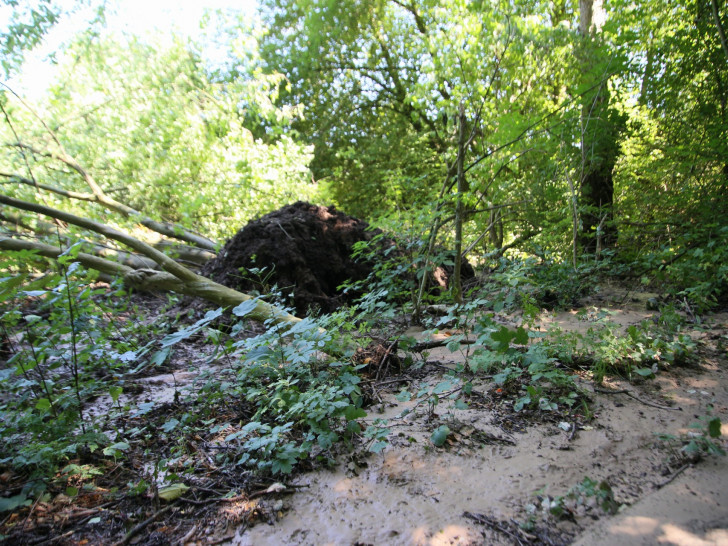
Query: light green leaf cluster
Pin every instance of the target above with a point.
(159, 133)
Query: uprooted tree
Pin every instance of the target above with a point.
(154, 144)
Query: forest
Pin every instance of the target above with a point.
(376, 272)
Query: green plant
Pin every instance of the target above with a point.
(72, 347)
(391, 281)
(304, 404)
(705, 438)
(399, 263)
(527, 365)
(586, 491)
(60, 348)
(640, 351)
(692, 268)
(702, 440)
(376, 435)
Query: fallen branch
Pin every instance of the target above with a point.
(634, 396)
(674, 475)
(495, 525)
(51, 540)
(140, 527)
(425, 345)
(98, 196)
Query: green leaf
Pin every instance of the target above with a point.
(245, 308)
(8, 504)
(144, 408)
(443, 386)
(71, 491)
(377, 447)
(234, 435)
(43, 404)
(521, 403)
(352, 412)
(9, 284)
(116, 449)
(35, 293)
(172, 492)
(439, 436)
(176, 337)
(115, 392)
(170, 425)
(160, 357)
(502, 338)
(31, 319)
(521, 336)
(714, 427)
(404, 396)
(73, 267)
(459, 404)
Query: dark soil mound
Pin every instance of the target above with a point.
(304, 250)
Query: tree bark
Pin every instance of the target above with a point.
(719, 26)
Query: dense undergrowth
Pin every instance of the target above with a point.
(271, 403)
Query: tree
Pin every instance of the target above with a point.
(146, 128)
(27, 24)
(672, 178)
(147, 134)
(381, 84)
(600, 129)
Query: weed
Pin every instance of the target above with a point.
(584, 497)
(701, 441)
(638, 352)
(63, 357)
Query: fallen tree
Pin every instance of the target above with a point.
(97, 195)
(172, 277)
(185, 254)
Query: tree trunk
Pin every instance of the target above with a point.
(457, 289)
(599, 148)
(495, 232)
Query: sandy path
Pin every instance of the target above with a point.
(415, 494)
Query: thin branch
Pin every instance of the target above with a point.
(140, 527)
(52, 189)
(63, 156)
(173, 231)
(167, 263)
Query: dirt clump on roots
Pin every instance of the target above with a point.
(302, 249)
